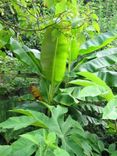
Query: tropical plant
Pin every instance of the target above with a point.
(56, 130)
(66, 56)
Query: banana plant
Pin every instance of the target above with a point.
(94, 86)
(30, 57)
(62, 47)
(63, 44)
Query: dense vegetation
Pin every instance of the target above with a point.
(58, 85)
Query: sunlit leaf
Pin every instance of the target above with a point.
(92, 77)
(65, 99)
(54, 55)
(23, 147)
(17, 122)
(5, 150)
(102, 59)
(110, 110)
(98, 42)
(61, 152)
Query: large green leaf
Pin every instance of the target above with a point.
(36, 137)
(103, 59)
(81, 82)
(106, 52)
(93, 91)
(23, 147)
(60, 152)
(92, 77)
(39, 138)
(34, 54)
(64, 128)
(98, 42)
(32, 118)
(110, 110)
(43, 139)
(91, 87)
(17, 122)
(26, 55)
(65, 99)
(110, 77)
(5, 150)
(35, 114)
(54, 54)
(41, 119)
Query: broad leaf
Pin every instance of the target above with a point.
(110, 77)
(54, 55)
(26, 55)
(110, 110)
(37, 115)
(65, 99)
(17, 122)
(32, 118)
(40, 119)
(92, 77)
(112, 147)
(5, 150)
(44, 140)
(93, 91)
(36, 137)
(82, 82)
(23, 147)
(65, 128)
(103, 59)
(109, 95)
(98, 42)
(60, 152)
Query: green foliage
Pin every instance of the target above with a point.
(54, 55)
(9, 77)
(71, 137)
(107, 14)
(65, 99)
(112, 149)
(110, 111)
(15, 79)
(98, 42)
(101, 59)
(22, 146)
(99, 88)
(26, 55)
(69, 38)
(5, 150)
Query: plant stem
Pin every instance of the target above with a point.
(51, 93)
